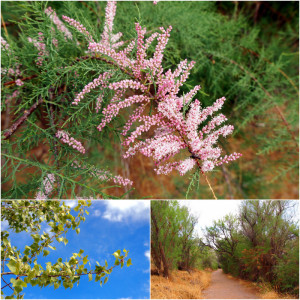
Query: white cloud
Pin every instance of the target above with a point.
(71, 203)
(96, 213)
(122, 210)
(48, 229)
(147, 254)
(208, 211)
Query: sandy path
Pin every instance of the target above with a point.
(222, 287)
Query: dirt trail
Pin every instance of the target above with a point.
(222, 287)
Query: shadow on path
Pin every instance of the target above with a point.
(222, 287)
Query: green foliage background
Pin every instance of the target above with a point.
(247, 52)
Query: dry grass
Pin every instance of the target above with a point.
(265, 291)
(271, 294)
(180, 285)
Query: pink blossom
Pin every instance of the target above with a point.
(19, 82)
(177, 120)
(99, 101)
(185, 165)
(79, 27)
(207, 165)
(226, 159)
(101, 80)
(41, 48)
(65, 138)
(135, 116)
(47, 187)
(104, 175)
(113, 109)
(4, 45)
(120, 57)
(59, 24)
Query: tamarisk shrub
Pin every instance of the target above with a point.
(177, 119)
(185, 133)
(38, 80)
(21, 267)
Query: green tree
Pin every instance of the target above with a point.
(260, 243)
(224, 237)
(22, 265)
(165, 227)
(268, 230)
(174, 244)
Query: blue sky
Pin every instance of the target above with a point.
(111, 225)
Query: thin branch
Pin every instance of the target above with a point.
(3, 25)
(270, 62)
(13, 82)
(90, 8)
(206, 178)
(78, 59)
(270, 96)
(227, 181)
(7, 284)
(20, 121)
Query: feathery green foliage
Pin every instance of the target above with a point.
(255, 66)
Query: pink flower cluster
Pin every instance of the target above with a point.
(79, 27)
(101, 80)
(41, 48)
(59, 24)
(65, 138)
(110, 40)
(104, 175)
(47, 188)
(113, 109)
(4, 45)
(19, 82)
(177, 120)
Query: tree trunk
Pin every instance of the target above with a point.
(162, 253)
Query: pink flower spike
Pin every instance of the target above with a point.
(101, 80)
(186, 165)
(79, 27)
(104, 175)
(65, 138)
(113, 109)
(166, 168)
(135, 116)
(4, 45)
(59, 24)
(207, 165)
(109, 40)
(226, 159)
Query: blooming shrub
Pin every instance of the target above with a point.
(88, 78)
